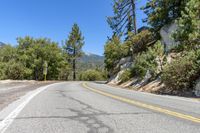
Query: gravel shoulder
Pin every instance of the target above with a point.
(11, 90)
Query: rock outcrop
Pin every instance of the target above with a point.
(166, 32)
(124, 63)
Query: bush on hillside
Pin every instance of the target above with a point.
(91, 75)
(16, 70)
(188, 32)
(114, 51)
(147, 61)
(140, 42)
(2, 71)
(181, 74)
(125, 76)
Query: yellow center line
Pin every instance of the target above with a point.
(144, 105)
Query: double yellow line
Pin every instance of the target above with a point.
(144, 105)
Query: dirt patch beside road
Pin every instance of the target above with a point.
(13, 90)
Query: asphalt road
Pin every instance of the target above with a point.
(74, 107)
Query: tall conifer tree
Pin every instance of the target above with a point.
(73, 46)
(124, 19)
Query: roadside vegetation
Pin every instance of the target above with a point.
(41, 59)
(147, 48)
(26, 60)
(93, 75)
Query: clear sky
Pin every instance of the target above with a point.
(54, 19)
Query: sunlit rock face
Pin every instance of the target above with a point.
(125, 63)
(166, 35)
(122, 65)
(115, 79)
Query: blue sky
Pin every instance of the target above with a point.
(54, 18)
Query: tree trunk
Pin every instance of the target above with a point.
(134, 16)
(36, 73)
(74, 69)
(74, 65)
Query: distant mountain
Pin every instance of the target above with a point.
(89, 57)
(90, 61)
(2, 44)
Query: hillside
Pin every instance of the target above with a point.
(90, 61)
(90, 57)
(163, 59)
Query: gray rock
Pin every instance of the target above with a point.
(146, 79)
(125, 60)
(166, 32)
(126, 65)
(123, 64)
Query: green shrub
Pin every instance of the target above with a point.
(147, 61)
(114, 50)
(16, 70)
(2, 70)
(125, 76)
(140, 42)
(181, 73)
(188, 32)
(91, 75)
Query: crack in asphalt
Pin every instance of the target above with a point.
(87, 116)
(84, 114)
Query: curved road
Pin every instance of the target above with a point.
(76, 107)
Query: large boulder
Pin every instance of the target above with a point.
(124, 63)
(166, 32)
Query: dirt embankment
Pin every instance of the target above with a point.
(155, 87)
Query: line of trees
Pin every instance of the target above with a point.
(41, 59)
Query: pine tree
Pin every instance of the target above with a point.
(73, 46)
(162, 12)
(124, 19)
(188, 32)
(129, 27)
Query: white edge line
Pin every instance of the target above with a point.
(6, 122)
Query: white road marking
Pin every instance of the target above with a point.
(5, 123)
